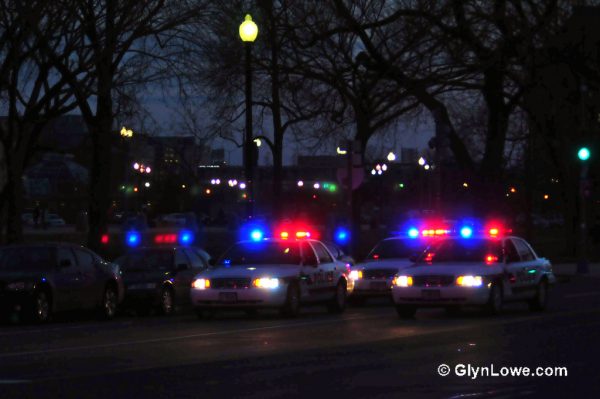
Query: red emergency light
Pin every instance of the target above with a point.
(165, 238)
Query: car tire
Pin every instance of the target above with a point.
(540, 301)
(338, 302)
(41, 311)
(496, 300)
(167, 302)
(110, 302)
(292, 301)
(406, 311)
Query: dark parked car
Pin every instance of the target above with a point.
(38, 280)
(160, 277)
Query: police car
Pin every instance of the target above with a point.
(373, 277)
(473, 266)
(282, 273)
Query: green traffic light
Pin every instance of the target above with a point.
(583, 154)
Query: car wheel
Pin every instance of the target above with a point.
(109, 303)
(495, 302)
(406, 311)
(41, 312)
(167, 302)
(292, 301)
(338, 303)
(540, 301)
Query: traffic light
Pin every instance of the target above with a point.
(583, 153)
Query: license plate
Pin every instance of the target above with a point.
(379, 285)
(228, 297)
(430, 294)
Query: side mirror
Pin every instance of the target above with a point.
(64, 263)
(181, 267)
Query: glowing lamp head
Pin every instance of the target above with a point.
(413, 232)
(284, 235)
(583, 154)
(104, 239)
(248, 30)
(466, 232)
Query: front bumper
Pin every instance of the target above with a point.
(441, 296)
(372, 288)
(244, 298)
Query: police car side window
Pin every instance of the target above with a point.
(511, 252)
(524, 251)
(85, 260)
(308, 254)
(181, 259)
(322, 253)
(197, 263)
(66, 258)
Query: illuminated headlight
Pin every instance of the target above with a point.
(469, 281)
(403, 281)
(201, 283)
(19, 286)
(265, 282)
(356, 274)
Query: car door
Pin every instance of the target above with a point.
(328, 268)
(310, 279)
(197, 264)
(515, 269)
(530, 265)
(182, 280)
(90, 285)
(67, 280)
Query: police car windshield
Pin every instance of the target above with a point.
(149, 259)
(261, 253)
(463, 250)
(395, 248)
(27, 258)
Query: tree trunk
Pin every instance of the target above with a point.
(100, 173)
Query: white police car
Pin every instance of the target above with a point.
(373, 277)
(282, 273)
(467, 269)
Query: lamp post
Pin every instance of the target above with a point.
(584, 155)
(248, 33)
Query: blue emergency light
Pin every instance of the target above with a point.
(257, 234)
(132, 238)
(186, 237)
(342, 235)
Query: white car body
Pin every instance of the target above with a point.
(376, 275)
(436, 285)
(231, 286)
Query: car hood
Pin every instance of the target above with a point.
(396, 264)
(454, 269)
(252, 271)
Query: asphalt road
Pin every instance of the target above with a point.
(366, 352)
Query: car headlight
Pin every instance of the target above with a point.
(403, 281)
(469, 281)
(356, 274)
(19, 286)
(265, 282)
(201, 283)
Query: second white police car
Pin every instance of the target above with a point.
(474, 267)
(282, 273)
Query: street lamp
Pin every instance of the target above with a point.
(584, 155)
(248, 33)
